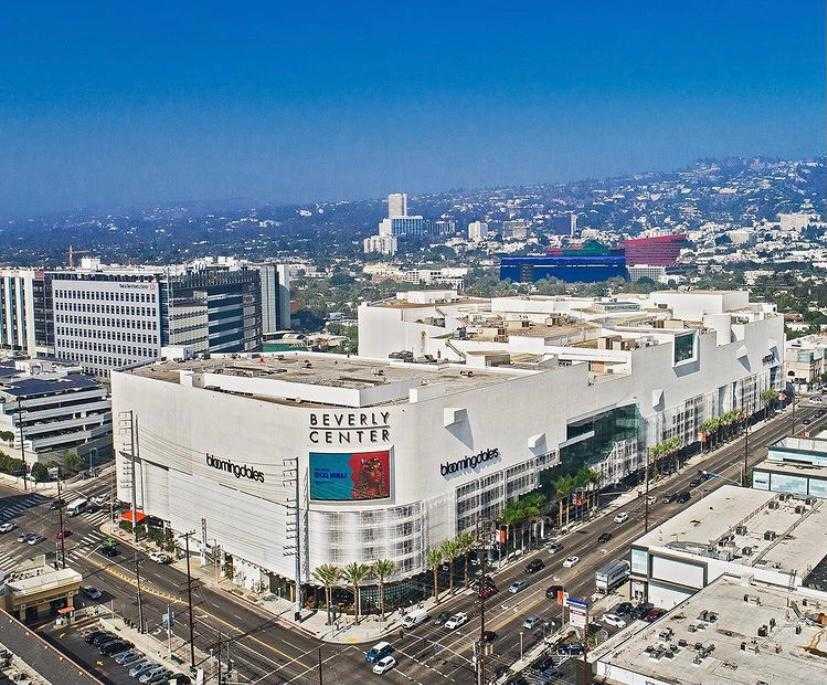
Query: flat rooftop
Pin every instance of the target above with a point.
(315, 377)
(712, 653)
(701, 526)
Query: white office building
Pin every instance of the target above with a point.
(477, 231)
(397, 204)
(24, 324)
(394, 457)
(275, 297)
(380, 244)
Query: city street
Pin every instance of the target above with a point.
(269, 652)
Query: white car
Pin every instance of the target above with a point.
(384, 665)
(92, 592)
(7, 527)
(621, 517)
(614, 620)
(100, 499)
(456, 621)
(161, 558)
(568, 562)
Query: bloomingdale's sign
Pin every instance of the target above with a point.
(237, 470)
(470, 462)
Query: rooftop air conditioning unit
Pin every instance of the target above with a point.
(769, 535)
(740, 530)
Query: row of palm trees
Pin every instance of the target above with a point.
(565, 487)
(664, 450)
(447, 553)
(355, 574)
(528, 509)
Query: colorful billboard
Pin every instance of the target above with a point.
(350, 476)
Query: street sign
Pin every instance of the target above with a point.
(169, 618)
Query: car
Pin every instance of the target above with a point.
(683, 497)
(161, 557)
(57, 504)
(146, 676)
(621, 517)
(552, 591)
(7, 527)
(568, 562)
(23, 537)
(141, 667)
(554, 547)
(63, 534)
(35, 539)
(642, 609)
(130, 656)
(91, 592)
(531, 622)
(533, 566)
(162, 677)
(517, 586)
(103, 636)
(570, 648)
(115, 647)
(384, 665)
(457, 620)
(695, 482)
(652, 499)
(441, 617)
(180, 679)
(488, 590)
(379, 651)
(92, 634)
(109, 548)
(415, 618)
(488, 636)
(614, 620)
(653, 615)
(624, 608)
(100, 499)
(603, 538)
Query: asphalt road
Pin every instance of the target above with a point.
(267, 652)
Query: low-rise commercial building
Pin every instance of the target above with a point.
(747, 533)
(732, 632)
(796, 466)
(804, 360)
(35, 589)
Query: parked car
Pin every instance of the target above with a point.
(642, 609)
(162, 677)
(571, 648)
(115, 647)
(129, 657)
(91, 635)
(139, 668)
(103, 636)
(161, 557)
(621, 517)
(568, 562)
(534, 565)
(384, 665)
(653, 615)
(379, 651)
(151, 674)
(7, 527)
(517, 586)
(624, 608)
(531, 622)
(441, 617)
(614, 620)
(603, 538)
(91, 592)
(457, 620)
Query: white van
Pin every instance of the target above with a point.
(77, 506)
(415, 618)
(612, 575)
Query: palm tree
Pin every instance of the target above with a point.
(466, 541)
(433, 560)
(328, 575)
(382, 569)
(594, 479)
(534, 506)
(450, 551)
(563, 487)
(512, 515)
(354, 573)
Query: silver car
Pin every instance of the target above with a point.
(141, 667)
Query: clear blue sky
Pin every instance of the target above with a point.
(106, 103)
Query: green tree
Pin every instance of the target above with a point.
(563, 487)
(39, 472)
(73, 462)
(450, 551)
(355, 573)
(466, 541)
(328, 575)
(768, 398)
(382, 570)
(433, 560)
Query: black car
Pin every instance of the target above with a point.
(57, 504)
(642, 609)
(623, 608)
(695, 482)
(442, 617)
(534, 565)
(103, 636)
(114, 647)
(109, 549)
(94, 634)
(489, 636)
(683, 497)
(603, 537)
(571, 648)
(552, 591)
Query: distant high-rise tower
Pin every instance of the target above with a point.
(397, 204)
(477, 231)
(564, 225)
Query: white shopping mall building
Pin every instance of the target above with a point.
(455, 407)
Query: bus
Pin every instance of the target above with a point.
(612, 575)
(77, 506)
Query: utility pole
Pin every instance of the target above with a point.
(320, 666)
(481, 645)
(290, 476)
(186, 537)
(22, 442)
(795, 395)
(140, 603)
(129, 417)
(60, 516)
(746, 455)
(646, 496)
(219, 657)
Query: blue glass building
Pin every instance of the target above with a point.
(574, 266)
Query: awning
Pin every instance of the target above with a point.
(127, 516)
